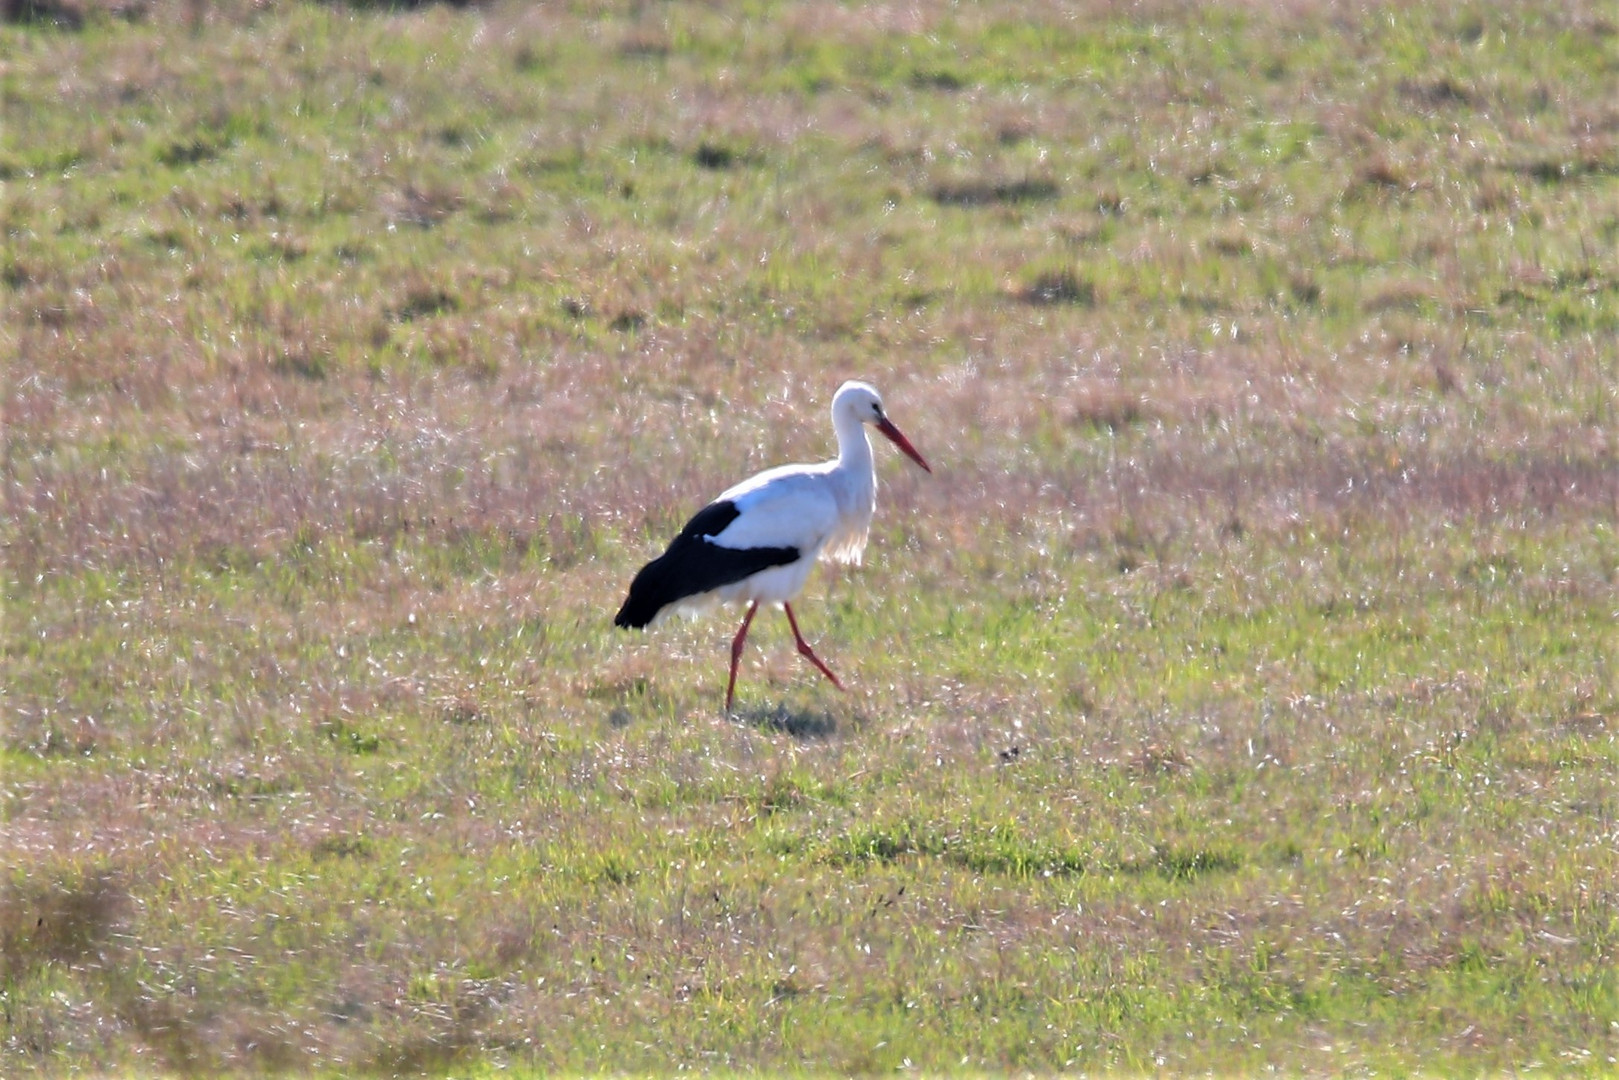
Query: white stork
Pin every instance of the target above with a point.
(757, 541)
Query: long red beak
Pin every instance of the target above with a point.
(898, 438)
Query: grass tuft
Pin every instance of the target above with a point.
(986, 191)
(1062, 286)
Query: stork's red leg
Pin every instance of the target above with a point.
(736, 652)
(803, 647)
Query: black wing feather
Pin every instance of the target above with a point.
(695, 564)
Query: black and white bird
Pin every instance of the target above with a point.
(755, 544)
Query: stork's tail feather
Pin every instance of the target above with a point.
(639, 609)
(693, 565)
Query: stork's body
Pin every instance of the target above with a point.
(756, 543)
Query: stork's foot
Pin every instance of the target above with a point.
(736, 654)
(805, 650)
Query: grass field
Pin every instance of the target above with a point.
(1239, 694)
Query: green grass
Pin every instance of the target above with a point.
(1238, 694)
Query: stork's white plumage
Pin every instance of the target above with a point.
(755, 544)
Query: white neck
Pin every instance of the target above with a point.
(853, 482)
(854, 448)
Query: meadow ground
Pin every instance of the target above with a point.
(1238, 694)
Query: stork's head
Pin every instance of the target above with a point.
(862, 402)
